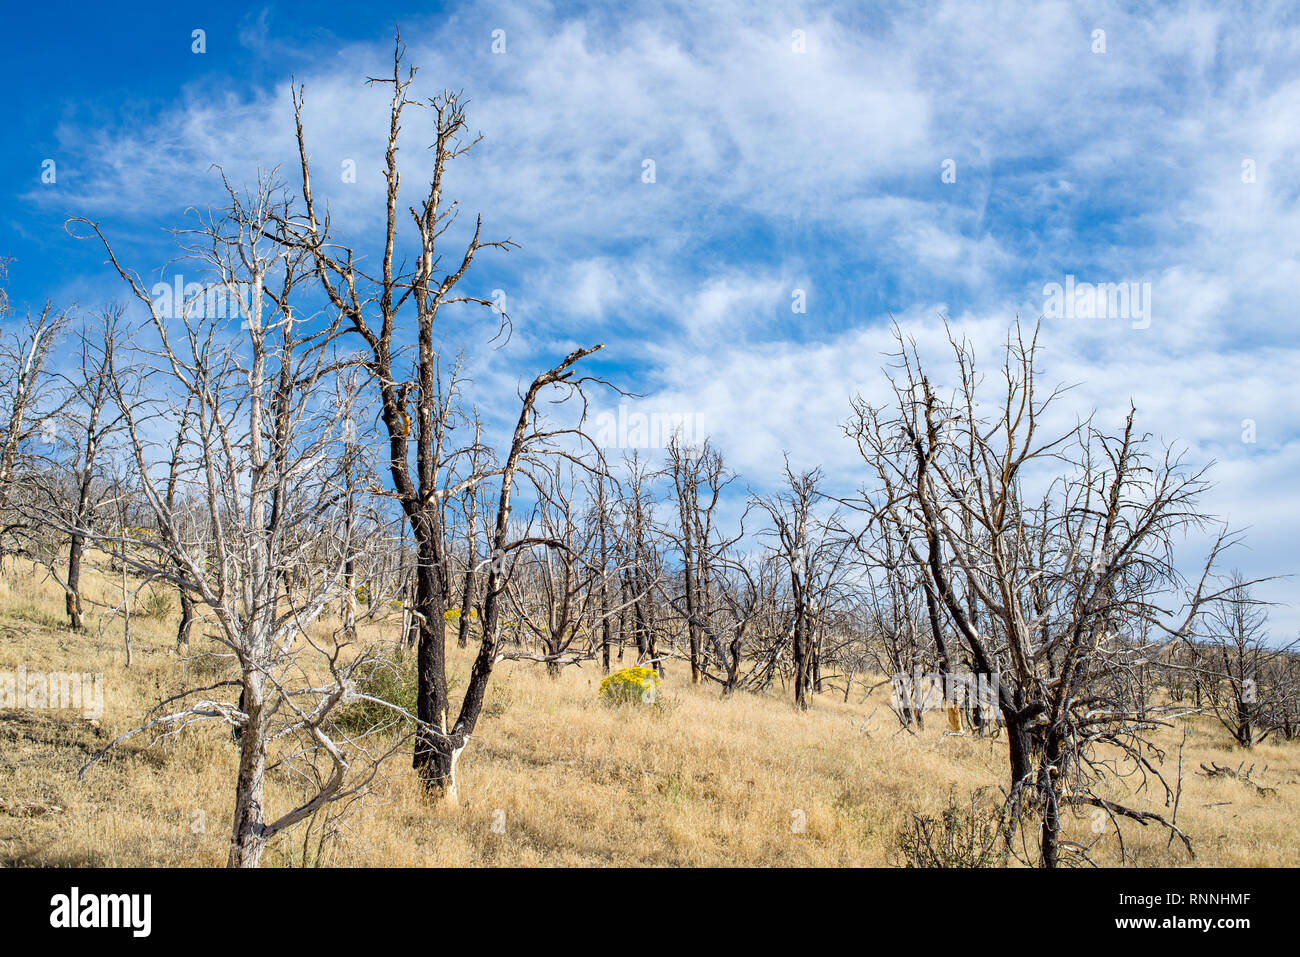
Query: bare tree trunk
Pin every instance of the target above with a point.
(247, 840)
(126, 613)
(1049, 795)
(800, 653)
(73, 602)
(187, 619)
(433, 760)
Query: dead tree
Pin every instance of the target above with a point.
(739, 601)
(80, 436)
(696, 469)
(1241, 680)
(814, 558)
(641, 561)
(1071, 580)
(265, 464)
(416, 411)
(559, 587)
(183, 512)
(790, 513)
(27, 410)
(603, 556)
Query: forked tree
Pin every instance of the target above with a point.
(264, 458)
(1245, 688)
(699, 479)
(814, 558)
(1062, 541)
(75, 487)
(559, 587)
(400, 306)
(28, 406)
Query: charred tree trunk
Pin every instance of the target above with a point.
(816, 679)
(733, 666)
(800, 653)
(1019, 752)
(1049, 774)
(605, 638)
(187, 619)
(73, 603)
(350, 599)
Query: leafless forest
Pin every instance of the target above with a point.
(290, 458)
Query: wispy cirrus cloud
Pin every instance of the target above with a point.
(803, 148)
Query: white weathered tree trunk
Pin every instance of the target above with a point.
(248, 834)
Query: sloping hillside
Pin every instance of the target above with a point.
(554, 776)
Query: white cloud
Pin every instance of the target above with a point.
(776, 169)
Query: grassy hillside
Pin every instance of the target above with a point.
(553, 776)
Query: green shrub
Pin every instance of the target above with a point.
(157, 606)
(391, 680)
(500, 698)
(387, 680)
(38, 616)
(961, 836)
(219, 665)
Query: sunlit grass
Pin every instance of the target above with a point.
(554, 775)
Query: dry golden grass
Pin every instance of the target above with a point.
(566, 779)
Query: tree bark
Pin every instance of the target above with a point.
(73, 603)
(248, 839)
(433, 757)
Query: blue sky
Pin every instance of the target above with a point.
(796, 147)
